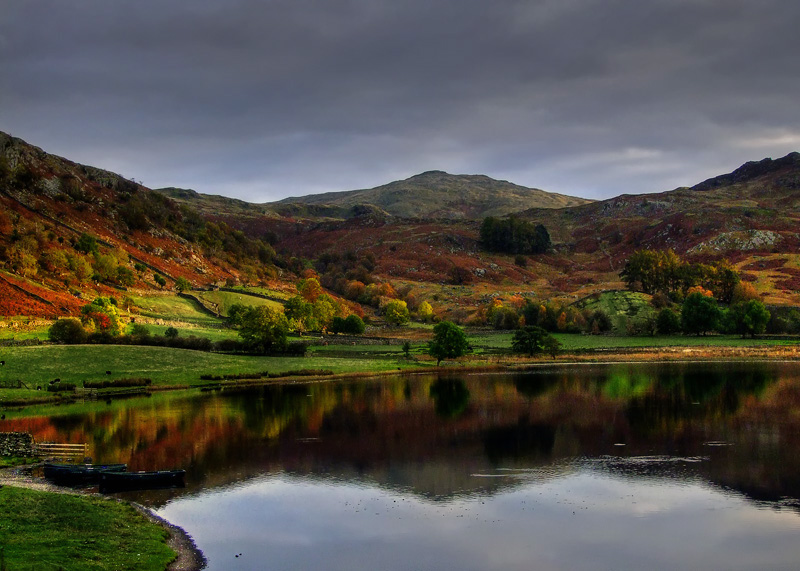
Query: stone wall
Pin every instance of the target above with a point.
(16, 444)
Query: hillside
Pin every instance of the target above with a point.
(437, 194)
(749, 216)
(71, 231)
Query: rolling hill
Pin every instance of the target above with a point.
(437, 194)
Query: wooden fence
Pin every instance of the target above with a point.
(60, 450)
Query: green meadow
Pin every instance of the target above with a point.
(41, 530)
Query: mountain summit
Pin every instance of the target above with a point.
(437, 194)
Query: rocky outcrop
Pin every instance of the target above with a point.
(755, 169)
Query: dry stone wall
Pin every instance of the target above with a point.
(16, 444)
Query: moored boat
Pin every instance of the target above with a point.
(120, 481)
(79, 474)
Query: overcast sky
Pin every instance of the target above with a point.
(266, 99)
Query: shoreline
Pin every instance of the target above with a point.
(188, 556)
(474, 363)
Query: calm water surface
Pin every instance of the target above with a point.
(670, 466)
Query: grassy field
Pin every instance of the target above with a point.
(172, 308)
(36, 366)
(213, 333)
(570, 342)
(223, 300)
(47, 531)
(265, 291)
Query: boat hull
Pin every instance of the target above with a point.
(79, 474)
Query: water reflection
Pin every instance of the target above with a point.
(722, 434)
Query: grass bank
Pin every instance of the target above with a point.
(168, 367)
(45, 530)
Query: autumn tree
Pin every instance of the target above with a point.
(310, 289)
(396, 312)
(425, 311)
(102, 315)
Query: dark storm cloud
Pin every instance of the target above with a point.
(265, 99)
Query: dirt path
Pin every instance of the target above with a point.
(189, 557)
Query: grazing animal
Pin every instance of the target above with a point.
(2, 362)
(108, 372)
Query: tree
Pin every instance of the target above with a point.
(668, 322)
(396, 312)
(102, 314)
(86, 244)
(264, 328)
(125, 276)
(449, 342)
(532, 339)
(699, 314)
(105, 265)
(139, 331)
(67, 330)
(324, 310)
(171, 333)
(354, 325)
(300, 314)
(236, 313)
(310, 289)
(425, 311)
(513, 236)
(750, 318)
(182, 284)
(160, 280)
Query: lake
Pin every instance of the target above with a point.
(623, 466)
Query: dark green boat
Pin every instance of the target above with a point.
(79, 474)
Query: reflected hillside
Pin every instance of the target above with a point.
(445, 436)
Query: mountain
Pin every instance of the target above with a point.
(437, 194)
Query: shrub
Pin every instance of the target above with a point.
(124, 382)
(68, 331)
(61, 387)
(86, 244)
(139, 330)
(171, 333)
